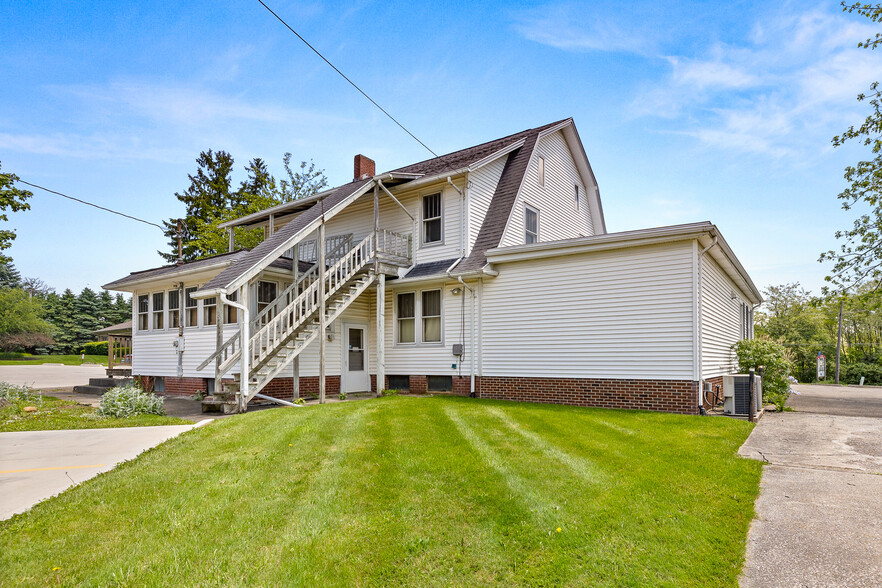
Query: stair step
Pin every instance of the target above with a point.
(91, 389)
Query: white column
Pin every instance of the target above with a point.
(320, 244)
(296, 274)
(381, 333)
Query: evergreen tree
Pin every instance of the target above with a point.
(64, 320)
(209, 193)
(9, 276)
(122, 309)
(87, 312)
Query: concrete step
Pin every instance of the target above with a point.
(99, 390)
(110, 382)
(212, 404)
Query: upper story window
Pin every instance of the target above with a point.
(231, 313)
(432, 218)
(209, 311)
(406, 317)
(541, 171)
(531, 225)
(431, 312)
(577, 196)
(191, 310)
(143, 312)
(158, 307)
(266, 293)
(174, 309)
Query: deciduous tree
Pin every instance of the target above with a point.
(12, 199)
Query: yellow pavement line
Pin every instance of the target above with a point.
(97, 465)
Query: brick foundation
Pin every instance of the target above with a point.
(175, 386)
(419, 385)
(677, 396)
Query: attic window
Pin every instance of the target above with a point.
(541, 171)
(577, 197)
(432, 218)
(531, 225)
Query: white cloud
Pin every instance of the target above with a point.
(568, 27)
(796, 76)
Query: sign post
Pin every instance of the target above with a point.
(822, 366)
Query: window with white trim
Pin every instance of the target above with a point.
(231, 313)
(143, 312)
(174, 309)
(266, 293)
(191, 307)
(541, 162)
(432, 218)
(406, 317)
(531, 225)
(209, 311)
(431, 316)
(158, 310)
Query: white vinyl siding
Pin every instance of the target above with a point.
(616, 314)
(483, 183)
(722, 308)
(554, 199)
(358, 219)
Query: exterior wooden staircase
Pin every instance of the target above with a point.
(282, 330)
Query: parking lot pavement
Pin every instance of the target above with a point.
(818, 521)
(50, 376)
(36, 465)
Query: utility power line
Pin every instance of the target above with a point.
(353, 84)
(140, 220)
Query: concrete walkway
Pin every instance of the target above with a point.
(819, 513)
(36, 465)
(50, 376)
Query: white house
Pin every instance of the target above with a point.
(486, 271)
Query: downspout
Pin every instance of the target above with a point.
(699, 327)
(244, 355)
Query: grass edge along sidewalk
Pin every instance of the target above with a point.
(410, 491)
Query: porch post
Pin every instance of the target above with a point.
(381, 333)
(219, 340)
(320, 244)
(231, 232)
(294, 294)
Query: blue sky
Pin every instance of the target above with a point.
(688, 111)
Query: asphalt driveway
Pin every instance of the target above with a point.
(36, 465)
(49, 375)
(819, 521)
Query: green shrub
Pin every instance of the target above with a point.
(342, 396)
(390, 392)
(14, 393)
(129, 400)
(95, 348)
(753, 353)
(852, 373)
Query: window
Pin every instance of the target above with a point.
(158, 306)
(266, 293)
(399, 382)
(406, 317)
(209, 311)
(439, 383)
(431, 312)
(531, 225)
(541, 171)
(231, 314)
(143, 312)
(174, 309)
(577, 197)
(745, 321)
(432, 218)
(159, 384)
(191, 311)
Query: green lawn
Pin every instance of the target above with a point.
(26, 359)
(407, 491)
(53, 414)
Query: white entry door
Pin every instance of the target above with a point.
(356, 377)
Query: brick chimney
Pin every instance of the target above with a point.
(364, 167)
